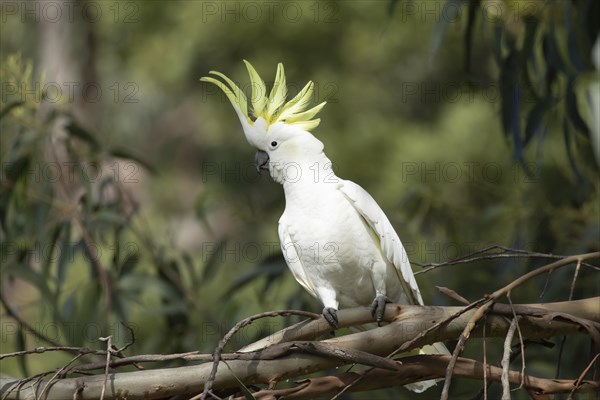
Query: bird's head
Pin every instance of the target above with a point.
(279, 130)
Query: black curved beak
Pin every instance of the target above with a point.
(261, 160)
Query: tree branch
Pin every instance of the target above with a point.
(493, 252)
(284, 360)
(416, 367)
(505, 291)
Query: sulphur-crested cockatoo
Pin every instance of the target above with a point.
(335, 238)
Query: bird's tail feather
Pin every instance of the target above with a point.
(435, 348)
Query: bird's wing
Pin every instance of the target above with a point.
(292, 258)
(390, 243)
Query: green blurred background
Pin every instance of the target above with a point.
(155, 175)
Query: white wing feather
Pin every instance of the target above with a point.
(391, 246)
(292, 258)
(393, 250)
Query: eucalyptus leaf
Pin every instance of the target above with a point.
(573, 109)
(450, 12)
(214, 260)
(11, 106)
(272, 267)
(568, 146)
(21, 345)
(129, 263)
(76, 130)
(65, 258)
(129, 155)
(535, 119)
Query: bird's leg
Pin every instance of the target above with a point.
(329, 300)
(378, 307)
(330, 315)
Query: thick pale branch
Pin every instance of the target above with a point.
(308, 330)
(273, 364)
(412, 369)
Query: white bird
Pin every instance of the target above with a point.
(336, 240)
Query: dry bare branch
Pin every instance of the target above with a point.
(280, 361)
(521, 341)
(247, 321)
(426, 366)
(108, 341)
(577, 383)
(493, 252)
(452, 294)
(506, 359)
(491, 299)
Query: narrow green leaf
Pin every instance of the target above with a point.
(578, 61)
(109, 217)
(569, 149)
(472, 17)
(128, 264)
(128, 155)
(22, 346)
(213, 261)
(188, 262)
(77, 131)
(15, 170)
(573, 109)
(535, 119)
(67, 252)
(69, 306)
(272, 266)
(553, 54)
(450, 12)
(86, 199)
(50, 253)
(10, 107)
(247, 394)
(510, 92)
(497, 47)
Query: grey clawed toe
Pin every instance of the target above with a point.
(378, 307)
(330, 315)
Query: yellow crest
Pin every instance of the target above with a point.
(272, 108)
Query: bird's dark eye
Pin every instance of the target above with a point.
(273, 143)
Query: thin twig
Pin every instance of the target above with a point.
(247, 321)
(108, 341)
(504, 252)
(564, 338)
(60, 371)
(522, 344)
(42, 349)
(577, 383)
(484, 361)
(20, 384)
(506, 359)
(453, 295)
(572, 290)
(546, 284)
(489, 301)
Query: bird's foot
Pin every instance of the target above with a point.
(330, 315)
(378, 307)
